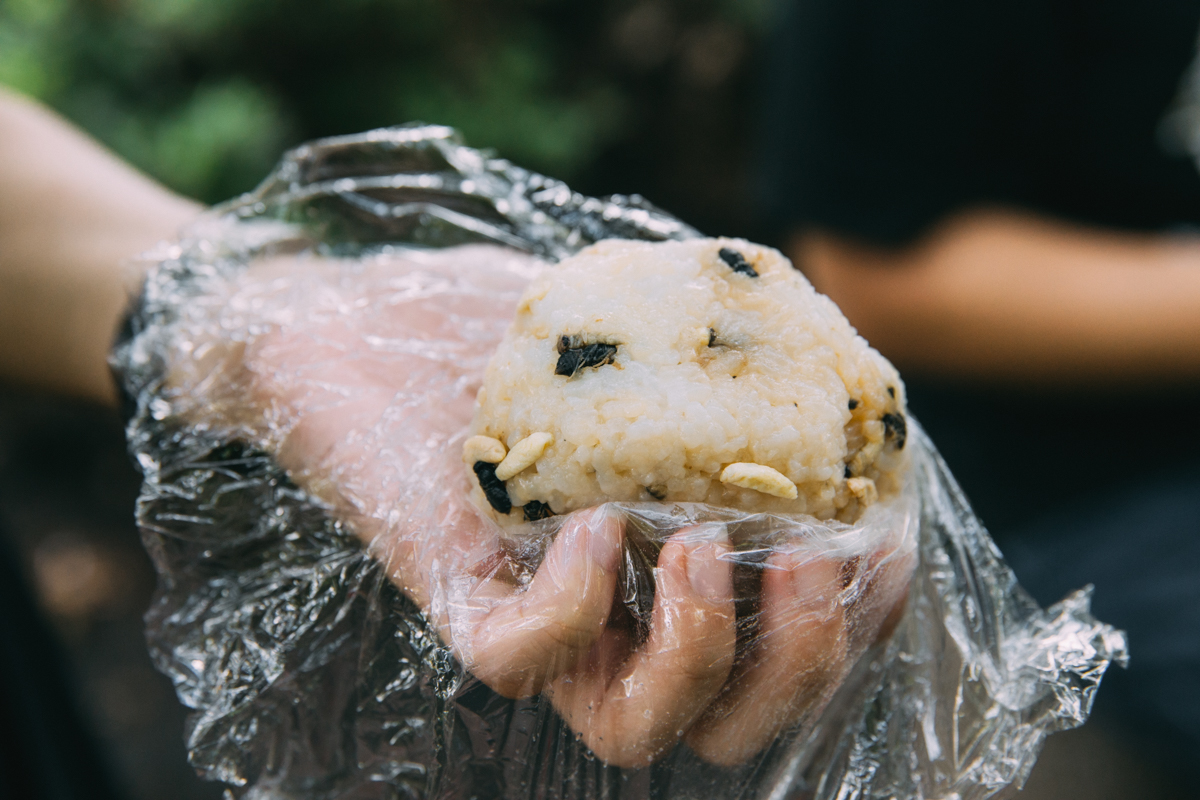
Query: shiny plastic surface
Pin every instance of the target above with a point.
(300, 371)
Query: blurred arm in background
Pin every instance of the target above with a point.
(1004, 295)
(902, 137)
(72, 215)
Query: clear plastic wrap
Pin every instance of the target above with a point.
(300, 371)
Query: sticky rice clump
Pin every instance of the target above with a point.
(707, 370)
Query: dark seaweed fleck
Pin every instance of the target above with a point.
(847, 473)
(737, 262)
(892, 392)
(657, 492)
(853, 404)
(894, 425)
(712, 337)
(535, 510)
(574, 359)
(493, 488)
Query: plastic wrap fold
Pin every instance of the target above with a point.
(356, 296)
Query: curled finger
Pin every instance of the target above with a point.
(631, 710)
(515, 640)
(798, 659)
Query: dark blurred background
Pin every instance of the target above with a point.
(613, 96)
(657, 97)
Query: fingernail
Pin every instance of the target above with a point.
(604, 546)
(708, 574)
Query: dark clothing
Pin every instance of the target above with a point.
(1141, 549)
(46, 752)
(884, 116)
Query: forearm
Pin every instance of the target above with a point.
(71, 217)
(998, 295)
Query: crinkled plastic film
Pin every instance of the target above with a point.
(402, 252)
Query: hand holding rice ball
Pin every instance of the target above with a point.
(705, 371)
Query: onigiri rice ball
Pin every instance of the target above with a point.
(704, 371)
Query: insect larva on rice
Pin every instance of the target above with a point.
(523, 455)
(483, 448)
(760, 478)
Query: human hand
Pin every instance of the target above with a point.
(361, 379)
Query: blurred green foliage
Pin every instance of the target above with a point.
(205, 94)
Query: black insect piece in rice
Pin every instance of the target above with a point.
(853, 404)
(737, 262)
(712, 337)
(574, 356)
(892, 392)
(535, 510)
(894, 425)
(657, 492)
(493, 488)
